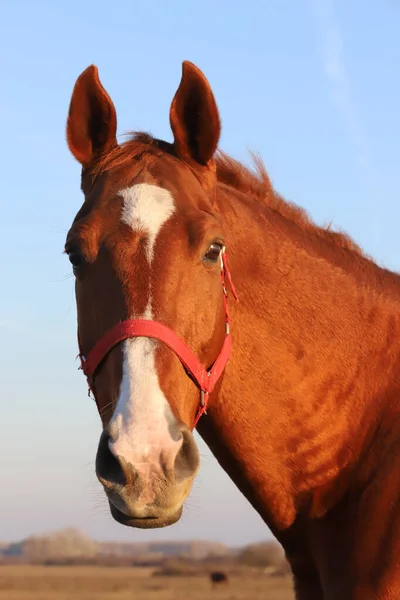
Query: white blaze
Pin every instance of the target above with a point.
(139, 428)
(146, 208)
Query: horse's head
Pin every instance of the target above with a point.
(146, 245)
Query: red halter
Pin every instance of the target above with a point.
(203, 378)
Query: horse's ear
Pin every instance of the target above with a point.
(194, 117)
(92, 120)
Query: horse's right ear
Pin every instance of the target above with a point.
(92, 120)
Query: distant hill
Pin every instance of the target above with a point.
(264, 555)
(72, 544)
(67, 543)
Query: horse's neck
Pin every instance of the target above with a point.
(315, 350)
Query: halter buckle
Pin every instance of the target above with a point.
(203, 400)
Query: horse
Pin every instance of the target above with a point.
(206, 300)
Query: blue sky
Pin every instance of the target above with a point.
(312, 85)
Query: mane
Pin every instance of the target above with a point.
(258, 184)
(231, 173)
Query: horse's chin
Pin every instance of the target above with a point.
(144, 522)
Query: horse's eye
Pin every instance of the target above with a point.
(75, 259)
(213, 253)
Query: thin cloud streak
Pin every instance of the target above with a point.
(335, 71)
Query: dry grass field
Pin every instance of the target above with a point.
(121, 583)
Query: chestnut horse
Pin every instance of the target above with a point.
(300, 377)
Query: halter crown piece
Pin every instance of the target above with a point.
(205, 379)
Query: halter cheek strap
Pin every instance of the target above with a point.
(205, 379)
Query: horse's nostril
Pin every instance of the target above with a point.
(175, 430)
(187, 460)
(108, 467)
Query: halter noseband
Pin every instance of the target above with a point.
(205, 379)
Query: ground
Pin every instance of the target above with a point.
(121, 583)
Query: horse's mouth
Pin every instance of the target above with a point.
(144, 522)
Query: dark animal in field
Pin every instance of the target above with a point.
(218, 577)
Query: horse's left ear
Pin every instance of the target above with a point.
(194, 117)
